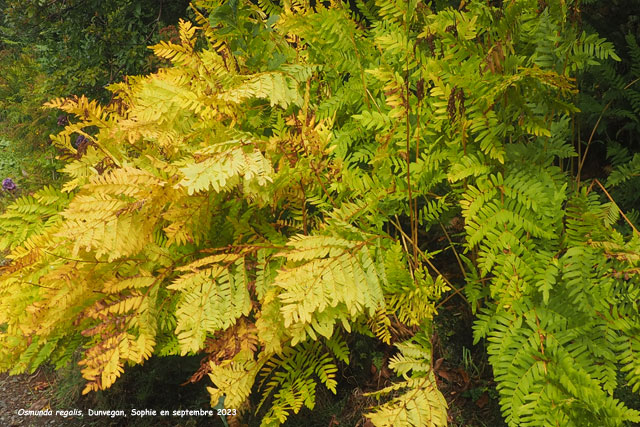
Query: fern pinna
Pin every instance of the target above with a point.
(269, 192)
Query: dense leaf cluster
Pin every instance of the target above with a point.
(82, 45)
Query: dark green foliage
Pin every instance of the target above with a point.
(609, 123)
(82, 45)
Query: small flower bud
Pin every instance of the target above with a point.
(8, 184)
(79, 140)
(63, 120)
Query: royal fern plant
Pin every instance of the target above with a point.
(272, 191)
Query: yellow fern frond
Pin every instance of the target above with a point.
(233, 379)
(420, 405)
(279, 88)
(222, 171)
(343, 285)
(103, 364)
(211, 299)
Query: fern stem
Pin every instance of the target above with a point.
(455, 252)
(593, 132)
(315, 171)
(613, 201)
(428, 261)
(304, 209)
(455, 292)
(412, 214)
(75, 260)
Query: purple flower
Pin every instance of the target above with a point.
(63, 120)
(79, 140)
(8, 184)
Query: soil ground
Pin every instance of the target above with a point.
(28, 392)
